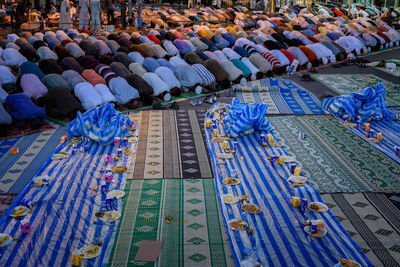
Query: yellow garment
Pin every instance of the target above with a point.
(203, 33)
(231, 29)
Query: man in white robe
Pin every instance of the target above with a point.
(95, 12)
(65, 15)
(83, 14)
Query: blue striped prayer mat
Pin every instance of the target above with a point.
(283, 96)
(17, 170)
(390, 131)
(278, 238)
(63, 215)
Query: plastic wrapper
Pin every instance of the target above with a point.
(243, 117)
(367, 105)
(101, 124)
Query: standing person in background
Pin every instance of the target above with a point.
(52, 10)
(110, 12)
(139, 13)
(83, 14)
(95, 9)
(20, 13)
(11, 12)
(65, 15)
(122, 6)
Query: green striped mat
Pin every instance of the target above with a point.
(194, 237)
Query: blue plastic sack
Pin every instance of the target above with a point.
(367, 105)
(243, 117)
(101, 124)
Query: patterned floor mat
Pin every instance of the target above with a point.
(335, 159)
(170, 145)
(34, 149)
(283, 96)
(14, 132)
(193, 237)
(348, 83)
(373, 221)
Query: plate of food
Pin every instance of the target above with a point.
(59, 156)
(231, 181)
(318, 207)
(237, 224)
(109, 216)
(119, 169)
(225, 156)
(230, 199)
(90, 251)
(41, 180)
(347, 263)
(133, 140)
(297, 179)
(320, 233)
(289, 159)
(116, 194)
(5, 239)
(19, 211)
(127, 151)
(251, 208)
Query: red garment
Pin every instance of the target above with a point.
(309, 53)
(312, 39)
(278, 22)
(288, 55)
(154, 38)
(337, 12)
(387, 40)
(66, 41)
(85, 31)
(314, 30)
(380, 29)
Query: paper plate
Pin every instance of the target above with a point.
(297, 179)
(38, 181)
(231, 181)
(251, 208)
(23, 208)
(119, 169)
(320, 234)
(133, 140)
(225, 156)
(322, 207)
(230, 199)
(237, 224)
(116, 194)
(90, 252)
(59, 156)
(5, 239)
(289, 159)
(110, 216)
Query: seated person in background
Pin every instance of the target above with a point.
(5, 120)
(23, 110)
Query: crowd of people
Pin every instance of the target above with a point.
(57, 73)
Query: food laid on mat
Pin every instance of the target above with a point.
(19, 211)
(80, 190)
(231, 181)
(265, 178)
(116, 194)
(347, 263)
(251, 208)
(237, 224)
(90, 251)
(230, 199)
(5, 239)
(318, 207)
(109, 216)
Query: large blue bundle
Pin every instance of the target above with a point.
(100, 124)
(243, 117)
(368, 105)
